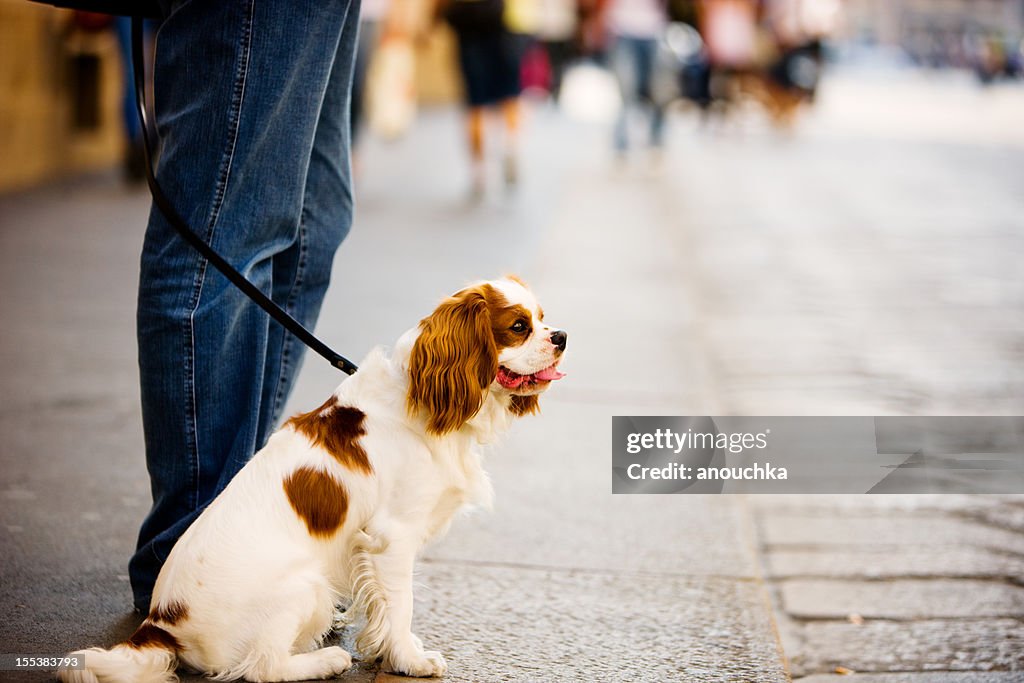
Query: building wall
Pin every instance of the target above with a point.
(39, 139)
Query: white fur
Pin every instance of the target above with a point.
(261, 591)
(122, 664)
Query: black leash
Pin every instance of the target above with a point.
(176, 221)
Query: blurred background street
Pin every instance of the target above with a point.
(862, 256)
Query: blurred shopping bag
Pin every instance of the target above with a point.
(391, 88)
(535, 70)
(590, 94)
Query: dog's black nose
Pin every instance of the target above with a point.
(558, 338)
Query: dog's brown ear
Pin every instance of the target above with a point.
(453, 361)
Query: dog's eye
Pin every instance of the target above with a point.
(519, 327)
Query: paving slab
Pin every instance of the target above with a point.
(907, 562)
(903, 531)
(864, 506)
(901, 598)
(931, 645)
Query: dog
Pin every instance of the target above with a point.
(336, 506)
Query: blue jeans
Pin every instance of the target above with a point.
(633, 61)
(252, 106)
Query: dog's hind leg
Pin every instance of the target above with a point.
(291, 625)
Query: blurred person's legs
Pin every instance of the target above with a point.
(622, 58)
(633, 63)
(559, 53)
(511, 116)
(475, 124)
(489, 64)
(252, 104)
(474, 52)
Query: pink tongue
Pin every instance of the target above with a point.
(551, 373)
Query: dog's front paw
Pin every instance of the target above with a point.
(335, 660)
(425, 664)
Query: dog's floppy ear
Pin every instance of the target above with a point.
(453, 361)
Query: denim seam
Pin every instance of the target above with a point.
(220, 191)
(293, 294)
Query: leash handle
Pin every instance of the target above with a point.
(178, 223)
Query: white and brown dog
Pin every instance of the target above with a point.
(339, 502)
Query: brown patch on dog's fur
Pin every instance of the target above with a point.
(336, 429)
(171, 613)
(503, 317)
(524, 405)
(318, 498)
(149, 635)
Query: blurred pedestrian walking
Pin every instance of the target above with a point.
(557, 23)
(489, 57)
(634, 29)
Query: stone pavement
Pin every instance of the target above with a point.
(897, 584)
(867, 267)
(853, 268)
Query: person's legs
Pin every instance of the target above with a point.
(559, 53)
(302, 273)
(474, 52)
(507, 71)
(657, 125)
(646, 55)
(475, 137)
(623, 56)
(510, 114)
(239, 92)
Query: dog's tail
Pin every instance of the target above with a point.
(149, 656)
